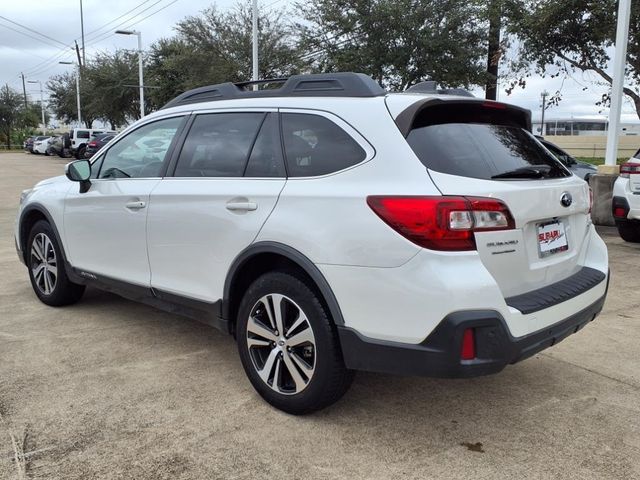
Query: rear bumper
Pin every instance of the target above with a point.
(439, 354)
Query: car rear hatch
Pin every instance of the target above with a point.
(631, 169)
(474, 148)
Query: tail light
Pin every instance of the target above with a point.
(443, 222)
(590, 199)
(627, 169)
(92, 144)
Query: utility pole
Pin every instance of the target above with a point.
(544, 95)
(493, 54)
(84, 58)
(255, 42)
(24, 90)
(44, 125)
(77, 91)
(617, 83)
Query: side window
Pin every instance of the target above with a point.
(218, 145)
(141, 153)
(266, 159)
(314, 145)
(83, 133)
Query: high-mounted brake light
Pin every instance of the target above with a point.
(627, 169)
(498, 105)
(442, 222)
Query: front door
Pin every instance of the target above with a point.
(105, 228)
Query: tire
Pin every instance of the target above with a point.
(629, 231)
(52, 287)
(300, 377)
(80, 153)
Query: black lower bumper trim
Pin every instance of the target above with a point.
(439, 354)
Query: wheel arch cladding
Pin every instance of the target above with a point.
(29, 217)
(264, 257)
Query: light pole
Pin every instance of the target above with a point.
(77, 90)
(544, 96)
(44, 126)
(254, 35)
(617, 82)
(140, 74)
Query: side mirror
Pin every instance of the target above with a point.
(79, 171)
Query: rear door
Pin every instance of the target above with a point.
(226, 181)
(478, 149)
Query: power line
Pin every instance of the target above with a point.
(101, 36)
(27, 35)
(51, 62)
(117, 18)
(32, 30)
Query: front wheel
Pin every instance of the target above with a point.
(47, 270)
(288, 346)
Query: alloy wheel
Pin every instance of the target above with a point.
(44, 264)
(281, 344)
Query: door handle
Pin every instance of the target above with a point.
(242, 206)
(135, 205)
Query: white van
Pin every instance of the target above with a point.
(80, 137)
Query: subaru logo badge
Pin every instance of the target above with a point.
(566, 199)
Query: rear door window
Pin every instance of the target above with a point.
(314, 145)
(218, 145)
(481, 150)
(83, 134)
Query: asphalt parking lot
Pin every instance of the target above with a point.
(111, 389)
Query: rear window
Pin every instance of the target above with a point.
(484, 151)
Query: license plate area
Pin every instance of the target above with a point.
(552, 238)
(634, 181)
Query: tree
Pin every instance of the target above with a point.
(13, 115)
(561, 38)
(111, 79)
(215, 47)
(62, 98)
(397, 42)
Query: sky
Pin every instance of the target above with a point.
(59, 20)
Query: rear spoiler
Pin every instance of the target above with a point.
(516, 115)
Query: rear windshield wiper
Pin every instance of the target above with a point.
(537, 171)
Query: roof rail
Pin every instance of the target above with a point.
(430, 86)
(340, 84)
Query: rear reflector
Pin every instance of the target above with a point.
(619, 212)
(468, 351)
(443, 222)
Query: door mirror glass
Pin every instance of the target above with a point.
(78, 171)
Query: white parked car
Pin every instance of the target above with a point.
(41, 144)
(330, 227)
(80, 137)
(626, 200)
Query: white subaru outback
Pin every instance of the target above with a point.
(626, 200)
(330, 227)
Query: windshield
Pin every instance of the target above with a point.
(484, 151)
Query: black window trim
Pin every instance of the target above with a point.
(168, 156)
